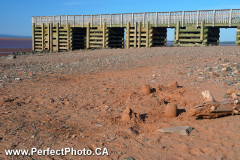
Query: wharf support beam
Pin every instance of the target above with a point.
(192, 35)
(238, 36)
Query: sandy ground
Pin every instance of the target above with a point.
(79, 100)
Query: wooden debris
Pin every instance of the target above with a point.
(213, 109)
(207, 96)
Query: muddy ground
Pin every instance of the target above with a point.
(78, 100)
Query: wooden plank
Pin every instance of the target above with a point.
(202, 29)
(104, 34)
(97, 38)
(190, 40)
(88, 35)
(43, 36)
(147, 34)
(135, 35)
(128, 34)
(51, 37)
(57, 36)
(68, 36)
(33, 36)
(177, 30)
(189, 30)
(189, 35)
(139, 34)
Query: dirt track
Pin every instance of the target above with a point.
(77, 99)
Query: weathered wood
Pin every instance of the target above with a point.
(104, 34)
(57, 36)
(51, 37)
(212, 109)
(33, 36)
(202, 30)
(43, 36)
(68, 36)
(88, 35)
(177, 30)
(135, 35)
(139, 34)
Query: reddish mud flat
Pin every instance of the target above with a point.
(116, 98)
(9, 45)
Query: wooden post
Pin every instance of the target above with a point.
(202, 30)
(33, 36)
(177, 32)
(88, 35)
(135, 35)
(68, 36)
(57, 36)
(139, 35)
(51, 37)
(43, 36)
(147, 34)
(104, 34)
(128, 34)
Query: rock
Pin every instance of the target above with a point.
(11, 56)
(182, 130)
(129, 158)
(228, 69)
(228, 83)
(225, 60)
(171, 110)
(146, 89)
(207, 96)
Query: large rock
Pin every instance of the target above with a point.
(182, 130)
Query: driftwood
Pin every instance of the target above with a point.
(213, 109)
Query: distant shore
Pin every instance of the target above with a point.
(9, 45)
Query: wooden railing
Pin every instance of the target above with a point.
(223, 16)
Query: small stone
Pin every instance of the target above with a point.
(129, 158)
(105, 89)
(228, 83)
(225, 60)
(17, 79)
(182, 130)
(228, 69)
(11, 56)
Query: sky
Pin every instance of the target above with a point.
(15, 15)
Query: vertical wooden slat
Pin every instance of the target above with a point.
(139, 34)
(183, 18)
(68, 36)
(147, 34)
(197, 18)
(33, 36)
(128, 34)
(104, 34)
(135, 35)
(51, 37)
(202, 30)
(57, 36)
(177, 30)
(213, 21)
(156, 19)
(88, 35)
(230, 18)
(42, 36)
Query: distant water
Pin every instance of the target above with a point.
(15, 43)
